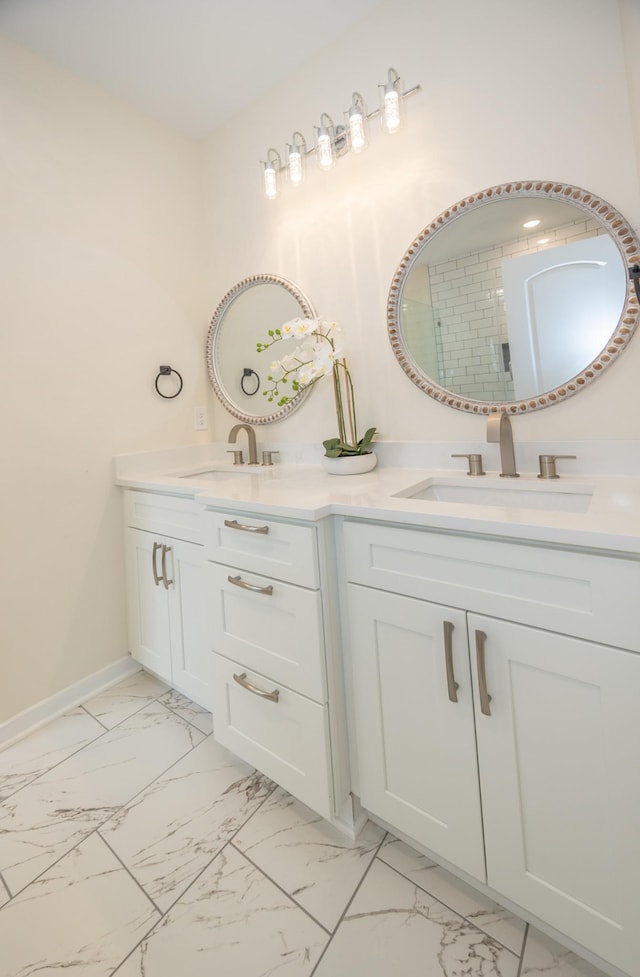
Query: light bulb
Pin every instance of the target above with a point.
(270, 181)
(391, 113)
(270, 174)
(295, 168)
(357, 124)
(324, 142)
(325, 152)
(295, 159)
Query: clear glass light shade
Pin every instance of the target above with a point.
(358, 125)
(325, 150)
(391, 117)
(295, 166)
(270, 177)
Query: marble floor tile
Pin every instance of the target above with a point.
(36, 753)
(310, 859)
(83, 915)
(483, 912)
(232, 922)
(124, 699)
(4, 893)
(167, 834)
(48, 817)
(393, 927)
(186, 709)
(543, 957)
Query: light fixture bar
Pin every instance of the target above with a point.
(333, 141)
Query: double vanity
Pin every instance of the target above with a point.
(456, 657)
(452, 653)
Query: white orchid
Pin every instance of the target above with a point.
(319, 354)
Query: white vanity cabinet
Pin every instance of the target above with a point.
(267, 628)
(165, 571)
(538, 758)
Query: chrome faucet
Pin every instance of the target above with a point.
(251, 438)
(499, 432)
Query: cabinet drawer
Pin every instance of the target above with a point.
(282, 550)
(278, 632)
(287, 740)
(576, 593)
(166, 514)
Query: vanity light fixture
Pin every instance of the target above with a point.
(271, 169)
(333, 141)
(296, 152)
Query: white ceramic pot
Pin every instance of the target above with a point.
(350, 464)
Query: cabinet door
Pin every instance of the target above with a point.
(560, 775)
(148, 606)
(416, 746)
(190, 659)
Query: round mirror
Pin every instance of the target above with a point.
(243, 319)
(514, 298)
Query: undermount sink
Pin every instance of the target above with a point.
(222, 474)
(515, 494)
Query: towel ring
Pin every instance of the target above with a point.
(166, 371)
(248, 372)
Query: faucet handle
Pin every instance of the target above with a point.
(237, 456)
(267, 457)
(548, 465)
(475, 464)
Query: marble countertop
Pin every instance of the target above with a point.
(304, 491)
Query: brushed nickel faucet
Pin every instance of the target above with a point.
(251, 438)
(499, 432)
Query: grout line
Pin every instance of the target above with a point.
(278, 886)
(132, 877)
(348, 905)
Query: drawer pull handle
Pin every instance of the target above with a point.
(234, 524)
(154, 565)
(452, 685)
(167, 583)
(256, 588)
(485, 698)
(242, 680)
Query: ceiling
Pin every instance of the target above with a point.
(191, 64)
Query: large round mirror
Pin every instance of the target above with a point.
(514, 298)
(243, 319)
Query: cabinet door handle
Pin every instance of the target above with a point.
(256, 588)
(452, 685)
(242, 680)
(485, 698)
(154, 565)
(167, 583)
(234, 524)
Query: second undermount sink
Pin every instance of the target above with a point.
(516, 494)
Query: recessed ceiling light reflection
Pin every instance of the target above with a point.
(543, 240)
(532, 223)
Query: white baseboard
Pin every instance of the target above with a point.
(48, 709)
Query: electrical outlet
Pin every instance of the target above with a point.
(200, 419)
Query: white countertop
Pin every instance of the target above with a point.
(305, 491)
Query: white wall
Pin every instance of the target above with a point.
(100, 282)
(527, 90)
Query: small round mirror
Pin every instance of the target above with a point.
(238, 373)
(514, 298)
